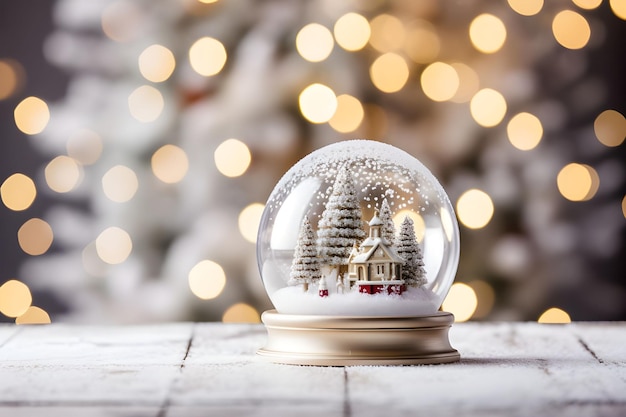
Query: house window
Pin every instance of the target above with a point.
(380, 269)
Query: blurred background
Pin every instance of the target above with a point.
(140, 139)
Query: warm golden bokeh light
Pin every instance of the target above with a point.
(488, 107)
(63, 174)
(207, 280)
(241, 313)
(314, 42)
(15, 298)
(439, 81)
(418, 222)
(487, 33)
(578, 182)
(85, 146)
(318, 103)
(34, 315)
(469, 83)
(232, 158)
(486, 297)
(11, 74)
(32, 115)
(587, 4)
(388, 33)
(120, 183)
(146, 103)
(35, 237)
(610, 128)
(389, 72)
(207, 56)
(114, 245)
(554, 316)
(624, 206)
(120, 20)
(170, 164)
(571, 30)
(352, 31)
(349, 114)
(526, 7)
(524, 131)
(249, 220)
(460, 301)
(156, 63)
(474, 208)
(422, 44)
(18, 192)
(619, 8)
(208, 1)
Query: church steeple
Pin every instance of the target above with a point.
(375, 225)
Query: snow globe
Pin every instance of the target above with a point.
(357, 247)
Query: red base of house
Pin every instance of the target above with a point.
(323, 293)
(381, 289)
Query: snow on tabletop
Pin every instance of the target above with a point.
(93, 410)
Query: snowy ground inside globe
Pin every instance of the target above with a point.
(412, 302)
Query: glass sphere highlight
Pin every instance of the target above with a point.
(358, 228)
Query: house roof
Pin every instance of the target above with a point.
(376, 243)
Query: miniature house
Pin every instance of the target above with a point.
(375, 267)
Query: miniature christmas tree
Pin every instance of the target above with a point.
(305, 267)
(413, 272)
(388, 231)
(340, 226)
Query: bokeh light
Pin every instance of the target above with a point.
(15, 298)
(578, 182)
(474, 208)
(624, 206)
(460, 301)
(422, 43)
(524, 131)
(146, 103)
(207, 56)
(387, 33)
(207, 280)
(11, 77)
(318, 103)
(63, 174)
(35, 237)
(619, 8)
(120, 21)
(349, 114)
(18, 192)
(33, 315)
(241, 313)
(571, 30)
(526, 7)
(418, 222)
(610, 128)
(169, 164)
(85, 146)
(32, 115)
(587, 4)
(554, 316)
(487, 33)
(439, 81)
(249, 220)
(389, 72)
(488, 107)
(314, 42)
(232, 158)
(114, 245)
(485, 296)
(469, 83)
(120, 183)
(352, 31)
(156, 63)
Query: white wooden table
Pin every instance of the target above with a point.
(508, 369)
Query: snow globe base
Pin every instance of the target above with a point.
(338, 340)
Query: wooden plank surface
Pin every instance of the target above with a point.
(508, 369)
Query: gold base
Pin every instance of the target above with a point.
(337, 341)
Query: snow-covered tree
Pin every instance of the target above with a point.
(305, 267)
(388, 231)
(413, 272)
(340, 226)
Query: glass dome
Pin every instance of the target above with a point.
(358, 228)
